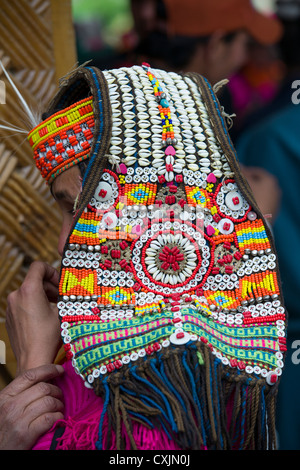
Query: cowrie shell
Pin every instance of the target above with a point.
(144, 162)
(205, 170)
(201, 145)
(141, 100)
(129, 133)
(110, 79)
(114, 96)
(129, 142)
(158, 154)
(144, 133)
(204, 162)
(144, 144)
(115, 104)
(180, 153)
(177, 168)
(188, 134)
(169, 159)
(169, 176)
(189, 142)
(116, 113)
(143, 116)
(191, 158)
(127, 105)
(161, 170)
(143, 124)
(129, 124)
(126, 88)
(203, 153)
(128, 151)
(129, 160)
(157, 162)
(190, 149)
(116, 140)
(143, 153)
(200, 136)
(156, 138)
(141, 108)
(117, 122)
(129, 115)
(156, 129)
(156, 146)
(116, 131)
(115, 150)
(127, 97)
(155, 120)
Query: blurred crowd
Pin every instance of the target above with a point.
(260, 56)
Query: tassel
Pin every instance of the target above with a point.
(99, 443)
(197, 403)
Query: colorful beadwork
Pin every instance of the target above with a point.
(170, 260)
(185, 244)
(64, 139)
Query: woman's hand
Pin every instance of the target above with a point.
(29, 406)
(32, 320)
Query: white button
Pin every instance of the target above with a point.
(178, 339)
(96, 373)
(103, 192)
(272, 377)
(125, 359)
(234, 200)
(226, 226)
(110, 220)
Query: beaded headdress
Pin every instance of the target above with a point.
(169, 298)
(64, 139)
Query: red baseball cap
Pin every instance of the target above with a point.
(203, 17)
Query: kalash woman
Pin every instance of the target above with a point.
(169, 302)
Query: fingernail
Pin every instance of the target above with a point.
(59, 368)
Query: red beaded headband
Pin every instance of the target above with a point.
(64, 139)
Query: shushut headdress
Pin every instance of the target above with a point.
(169, 299)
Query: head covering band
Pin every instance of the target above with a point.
(64, 139)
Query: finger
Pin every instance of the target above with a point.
(51, 291)
(33, 376)
(39, 391)
(42, 424)
(42, 406)
(42, 271)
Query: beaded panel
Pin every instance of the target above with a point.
(168, 250)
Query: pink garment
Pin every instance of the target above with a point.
(82, 416)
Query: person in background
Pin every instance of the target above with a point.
(207, 37)
(212, 38)
(271, 141)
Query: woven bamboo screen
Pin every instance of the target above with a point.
(37, 46)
